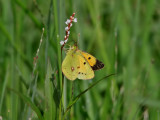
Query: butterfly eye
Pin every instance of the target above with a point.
(84, 63)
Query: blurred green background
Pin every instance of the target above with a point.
(123, 34)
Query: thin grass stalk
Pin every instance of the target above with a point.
(56, 19)
(48, 32)
(4, 88)
(61, 32)
(14, 83)
(114, 37)
(33, 74)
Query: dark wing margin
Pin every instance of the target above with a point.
(98, 65)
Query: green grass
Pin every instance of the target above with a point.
(124, 35)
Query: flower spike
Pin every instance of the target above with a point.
(67, 29)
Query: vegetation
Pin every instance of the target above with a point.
(124, 35)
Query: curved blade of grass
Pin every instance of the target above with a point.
(33, 95)
(8, 36)
(50, 113)
(78, 96)
(28, 101)
(4, 88)
(29, 13)
(56, 12)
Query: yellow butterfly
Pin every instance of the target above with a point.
(81, 65)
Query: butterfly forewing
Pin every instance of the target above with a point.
(84, 69)
(93, 62)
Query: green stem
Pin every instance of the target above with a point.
(56, 19)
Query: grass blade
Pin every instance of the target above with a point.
(78, 96)
(28, 101)
(49, 105)
(4, 88)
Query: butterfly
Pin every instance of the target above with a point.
(79, 64)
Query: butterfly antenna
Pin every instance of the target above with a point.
(78, 37)
(76, 42)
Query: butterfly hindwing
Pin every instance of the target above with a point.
(69, 65)
(93, 62)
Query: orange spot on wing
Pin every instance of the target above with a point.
(72, 68)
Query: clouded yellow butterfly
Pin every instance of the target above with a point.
(81, 65)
